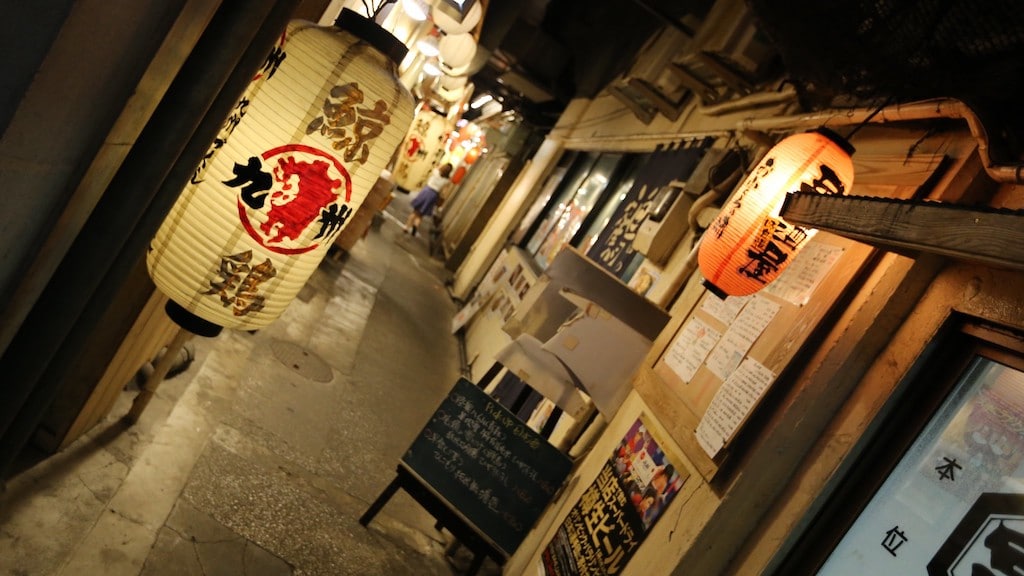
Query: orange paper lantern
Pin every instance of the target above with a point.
(748, 245)
(304, 147)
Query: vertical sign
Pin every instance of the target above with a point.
(613, 249)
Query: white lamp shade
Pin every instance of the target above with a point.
(428, 46)
(418, 10)
(457, 50)
(295, 160)
(430, 68)
(450, 88)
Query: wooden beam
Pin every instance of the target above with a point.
(893, 170)
(990, 236)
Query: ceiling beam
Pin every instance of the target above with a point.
(991, 236)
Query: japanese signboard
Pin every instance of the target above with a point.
(614, 515)
(613, 249)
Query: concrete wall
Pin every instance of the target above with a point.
(77, 92)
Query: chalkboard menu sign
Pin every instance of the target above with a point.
(487, 464)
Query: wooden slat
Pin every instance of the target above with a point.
(994, 237)
(150, 333)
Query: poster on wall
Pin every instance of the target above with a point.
(615, 514)
(483, 293)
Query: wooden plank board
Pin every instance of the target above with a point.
(994, 237)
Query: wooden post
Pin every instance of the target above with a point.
(159, 372)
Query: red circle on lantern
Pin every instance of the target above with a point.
(289, 220)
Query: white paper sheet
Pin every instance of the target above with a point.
(741, 335)
(691, 347)
(724, 311)
(732, 403)
(801, 278)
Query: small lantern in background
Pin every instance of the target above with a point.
(421, 150)
(457, 51)
(748, 245)
(302, 151)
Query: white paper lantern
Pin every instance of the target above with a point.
(451, 89)
(421, 150)
(453, 82)
(457, 50)
(306, 144)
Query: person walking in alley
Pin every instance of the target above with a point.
(429, 197)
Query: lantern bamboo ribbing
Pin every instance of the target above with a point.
(306, 143)
(748, 245)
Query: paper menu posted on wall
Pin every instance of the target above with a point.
(724, 310)
(691, 347)
(801, 278)
(732, 403)
(741, 335)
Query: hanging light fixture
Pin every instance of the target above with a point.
(292, 164)
(428, 45)
(430, 68)
(418, 10)
(457, 51)
(481, 100)
(748, 245)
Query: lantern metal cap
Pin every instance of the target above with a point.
(843, 143)
(371, 32)
(191, 322)
(722, 294)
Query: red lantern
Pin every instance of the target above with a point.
(748, 245)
